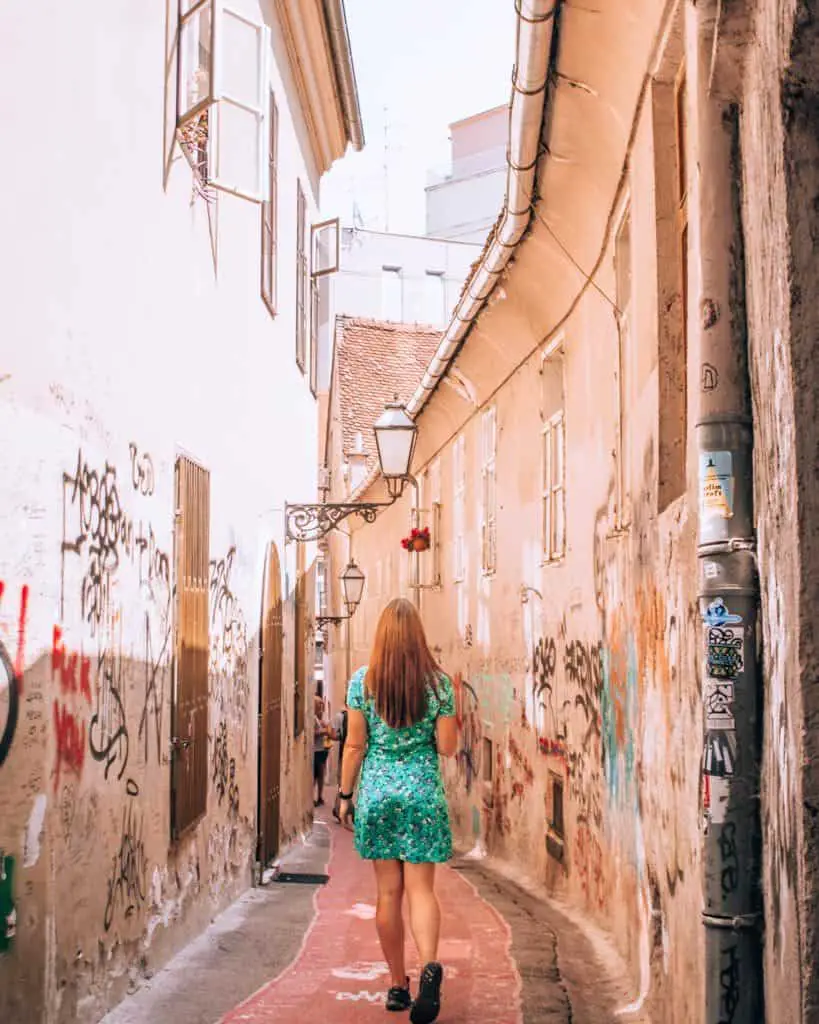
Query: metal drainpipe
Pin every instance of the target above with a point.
(729, 586)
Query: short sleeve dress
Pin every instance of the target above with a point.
(401, 810)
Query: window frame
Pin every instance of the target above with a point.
(625, 344)
(270, 214)
(489, 491)
(301, 277)
(317, 232)
(552, 490)
(440, 277)
(459, 509)
(399, 278)
(314, 325)
(198, 126)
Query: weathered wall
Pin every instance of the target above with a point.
(124, 347)
(780, 155)
(588, 677)
(580, 673)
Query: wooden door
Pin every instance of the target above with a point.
(270, 711)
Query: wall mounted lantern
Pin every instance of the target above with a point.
(395, 435)
(352, 586)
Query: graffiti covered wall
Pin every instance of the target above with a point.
(96, 891)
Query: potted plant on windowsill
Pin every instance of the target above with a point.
(418, 540)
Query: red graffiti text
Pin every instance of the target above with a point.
(70, 733)
(73, 669)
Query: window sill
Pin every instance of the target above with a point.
(488, 574)
(548, 563)
(555, 846)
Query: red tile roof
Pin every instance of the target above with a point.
(375, 360)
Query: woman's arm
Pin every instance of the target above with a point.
(446, 735)
(355, 748)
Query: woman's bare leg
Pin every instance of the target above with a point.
(389, 922)
(424, 909)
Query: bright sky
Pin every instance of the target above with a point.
(429, 63)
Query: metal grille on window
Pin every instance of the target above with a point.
(190, 705)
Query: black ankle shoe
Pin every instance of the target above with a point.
(399, 998)
(427, 1006)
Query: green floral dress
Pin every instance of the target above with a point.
(401, 811)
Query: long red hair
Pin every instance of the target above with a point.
(401, 666)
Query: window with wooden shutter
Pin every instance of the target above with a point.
(189, 773)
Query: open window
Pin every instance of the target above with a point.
(325, 244)
(222, 97)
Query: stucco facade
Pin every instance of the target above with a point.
(463, 203)
(567, 604)
(137, 343)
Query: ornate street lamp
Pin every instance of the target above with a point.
(395, 437)
(352, 586)
(395, 434)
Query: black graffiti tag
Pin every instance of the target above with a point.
(730, 858)
(544, 664)
(108, 738)
(127, 884)
(729, 984)
(142, 471)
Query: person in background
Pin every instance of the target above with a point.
(321, 749)
(401, 717)
(339, 732)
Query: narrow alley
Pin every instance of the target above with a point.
(413, 403)
(303, 947)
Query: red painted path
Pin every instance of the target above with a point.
(340, 975)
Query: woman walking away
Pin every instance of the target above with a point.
(401, 717)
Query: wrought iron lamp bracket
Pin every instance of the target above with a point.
(335, 620)
(311, 522)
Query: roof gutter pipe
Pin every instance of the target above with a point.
(345, 71)
(533, 60)
(535, 31)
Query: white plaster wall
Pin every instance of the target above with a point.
(465, 208)
(357, 288)
(131, 314)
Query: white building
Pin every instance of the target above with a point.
(157, 409)
(408, 279)
(463, 203)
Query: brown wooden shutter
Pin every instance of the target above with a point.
(189, 772)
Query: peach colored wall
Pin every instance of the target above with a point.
(592, 680)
